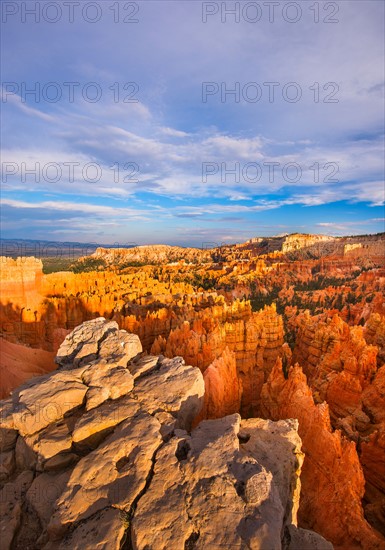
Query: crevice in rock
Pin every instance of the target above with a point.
(369, 414)
(166, 438)
(68, 363)
(243, 437)
(28, 530)
(86, 446)
(182, 450)
(286, 538)
(240, 488)
(149, 372)
(127, 539)
(190, 542)
(84, 360)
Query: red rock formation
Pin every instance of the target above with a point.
(20, 278)
(329, 349)
(20, 289)
(256, 342)
(333, 483)
(373, 398)
(374, 333)
(148, 254)
(19, 363)
(373, 463)
(222, 387)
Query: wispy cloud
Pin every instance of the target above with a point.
(16, 101)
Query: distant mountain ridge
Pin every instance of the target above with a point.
(294, 246)
(312, 245)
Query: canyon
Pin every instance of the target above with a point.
(286, 340)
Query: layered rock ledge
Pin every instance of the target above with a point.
(101, 454)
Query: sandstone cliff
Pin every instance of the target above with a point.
(150, 254)
(345, 367)
(256, 342)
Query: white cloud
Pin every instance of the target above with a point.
(16, 100)
(172, 132)
(79, 207)
(203, 167)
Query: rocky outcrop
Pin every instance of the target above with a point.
(343, 365)
(100, 454)
(223, 389)
(331, 504)
(373, 464)
(365, 246)
(298, 241)
(150, 254)
(256, 343)
(20, 276)
(224, 485)
(374, 333)
(338, 363)
(21, 298)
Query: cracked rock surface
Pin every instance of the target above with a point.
(100, 455)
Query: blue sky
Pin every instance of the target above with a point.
(188, 162)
